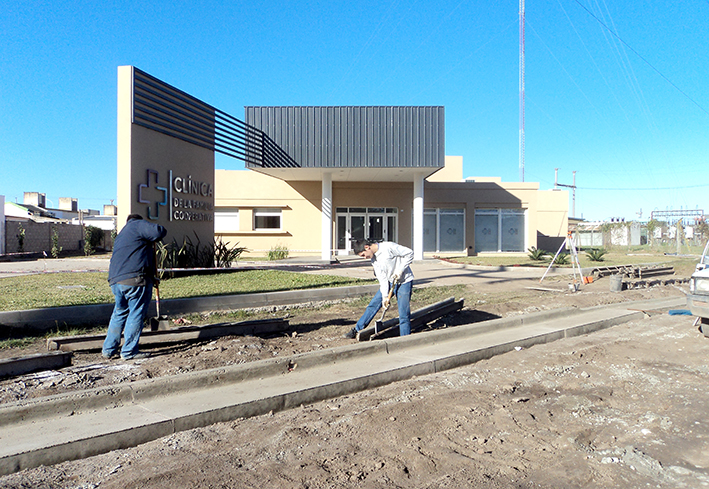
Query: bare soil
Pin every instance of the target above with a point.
(623, 407)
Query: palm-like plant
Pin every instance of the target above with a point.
(537, 254)
(596, 254)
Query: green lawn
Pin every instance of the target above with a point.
(684, 264)
(66, 289)
(69, 289)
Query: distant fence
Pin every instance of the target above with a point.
(38, 237)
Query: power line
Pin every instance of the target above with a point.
(639, 56)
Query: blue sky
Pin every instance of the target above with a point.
(628, 110)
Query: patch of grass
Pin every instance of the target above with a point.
(16, 343)
(682, 264)
(69, 289)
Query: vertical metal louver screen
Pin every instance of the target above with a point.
(166, 109)
(354, 136)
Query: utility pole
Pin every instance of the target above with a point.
(573, 187)
(521, 90)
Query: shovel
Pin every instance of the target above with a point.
(159, 323)
(379, 321)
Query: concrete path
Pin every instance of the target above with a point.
(427, 272)
(71, 426)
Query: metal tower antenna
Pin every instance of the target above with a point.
(521, 90)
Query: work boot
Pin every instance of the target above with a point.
(351, 334)
(138, 356)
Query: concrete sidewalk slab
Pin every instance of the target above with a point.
(67, 427)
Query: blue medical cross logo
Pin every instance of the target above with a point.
(147, 185)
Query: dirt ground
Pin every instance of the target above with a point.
(623, 407)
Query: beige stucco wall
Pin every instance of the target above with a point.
(553, 212)
(546, 211)
(451, 172)
(299, 202)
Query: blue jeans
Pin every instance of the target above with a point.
(127, 318)
(403, 300)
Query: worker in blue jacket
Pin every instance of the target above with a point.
(131, 275)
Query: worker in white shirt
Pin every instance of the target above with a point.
(391, 267)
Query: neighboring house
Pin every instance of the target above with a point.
(334, 174)
(28, 212)
(107, 223)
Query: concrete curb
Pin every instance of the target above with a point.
(399, 359)
(46, 319)
(39, 361)
(107, 396)
(103, 397)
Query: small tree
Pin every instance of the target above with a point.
(56, 249)
(651, 226)
(702, 229)
(21, 239)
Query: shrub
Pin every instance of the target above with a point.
(92, 238)
(278, 252)
(536, 254)
(224, 256)
(562, 259)
(596, 254)
(191, 255)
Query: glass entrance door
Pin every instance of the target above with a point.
(376, 227)
(375, 224)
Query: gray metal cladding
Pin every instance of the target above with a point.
(353, 136)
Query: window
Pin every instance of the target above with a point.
(226, 220)
(443, 230)
(499, 230)
(267, 219)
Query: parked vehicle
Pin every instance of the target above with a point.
(698, 297)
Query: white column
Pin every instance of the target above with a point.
(418, 216)
(326, 243)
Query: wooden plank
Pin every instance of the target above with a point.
(421, 321)
(176, 335)
(416, 316)
(366, 333)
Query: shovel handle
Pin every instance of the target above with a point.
(157, 299)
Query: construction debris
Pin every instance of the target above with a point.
(632, 271)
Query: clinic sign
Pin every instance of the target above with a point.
(183, 198)
(163, 175)
(188, 200)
